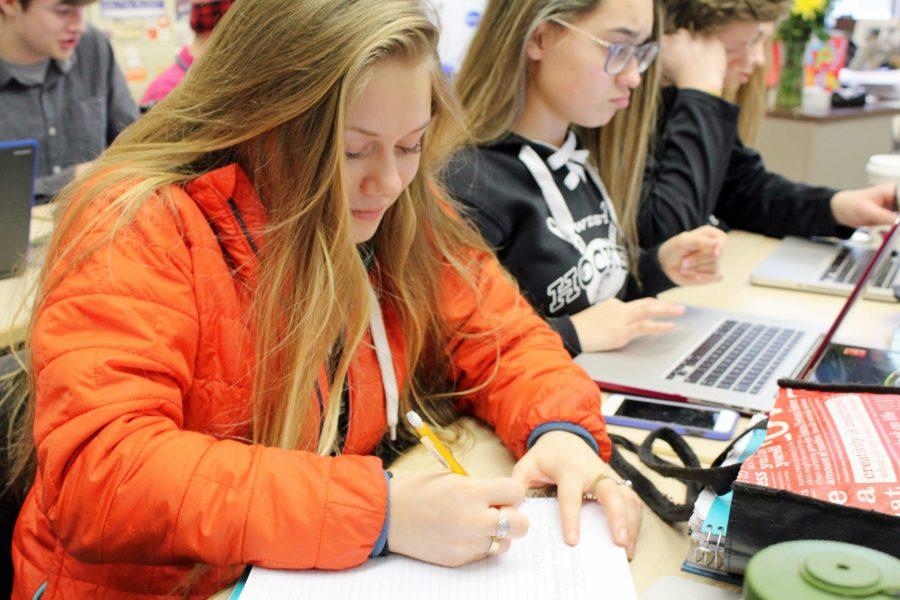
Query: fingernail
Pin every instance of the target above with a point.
(622, 536)
(572, 537)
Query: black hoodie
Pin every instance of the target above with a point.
(699, 167)
(560, 274)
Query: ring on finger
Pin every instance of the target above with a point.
(502, 524)
(592, 491)
(495, 545)
(592, 494)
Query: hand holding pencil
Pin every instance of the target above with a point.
(451, 519)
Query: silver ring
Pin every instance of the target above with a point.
(502, 524)
(627, 483)
(495, 546)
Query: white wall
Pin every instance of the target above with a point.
(458, 20)
(865, 9)
(145, 41)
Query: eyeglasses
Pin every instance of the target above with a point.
(619, 55)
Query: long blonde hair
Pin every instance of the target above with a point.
(492, 85)
(271, 93)
(711, 16)
(751, 98)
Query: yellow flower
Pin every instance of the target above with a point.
(808, 9)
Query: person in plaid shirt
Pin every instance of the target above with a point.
(205, 14)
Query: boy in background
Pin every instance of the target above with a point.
(60, 85)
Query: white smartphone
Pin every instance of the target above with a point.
(686, 419)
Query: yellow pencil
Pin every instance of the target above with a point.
(434, 445)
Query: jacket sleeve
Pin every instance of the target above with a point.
(687, 167)
(758, 200)
(123, 478)
(518, 373)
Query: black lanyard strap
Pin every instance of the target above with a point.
(659, 503)
(690, 471)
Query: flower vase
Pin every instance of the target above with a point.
(790, 85)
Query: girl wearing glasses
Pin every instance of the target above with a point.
(552, 178)
(713, 70)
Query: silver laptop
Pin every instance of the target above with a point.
(18, 164)
(721, 357)
(829, 268)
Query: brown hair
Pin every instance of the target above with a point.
(492, 87)
(709, 17)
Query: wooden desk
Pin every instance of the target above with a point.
(662, 548)
(830, 148)
(833, 115)
(14, 291)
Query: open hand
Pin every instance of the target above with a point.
(564, 459)
(692, 257)
(611, 324)
(874, 205)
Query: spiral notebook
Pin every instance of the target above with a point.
(540, 565)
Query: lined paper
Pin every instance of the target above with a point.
(540, 565)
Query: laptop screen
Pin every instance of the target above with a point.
(860, 287)
(854, 364)
(18, 161)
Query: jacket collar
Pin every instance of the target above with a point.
(230, 203)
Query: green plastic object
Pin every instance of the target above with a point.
(821, 570)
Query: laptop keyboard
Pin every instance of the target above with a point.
(887, 272)
(850, 263)
(738, 356)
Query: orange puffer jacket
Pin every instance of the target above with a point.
(142, 363)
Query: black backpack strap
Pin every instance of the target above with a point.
(659, 503)
(689, 472)
(717, 477)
